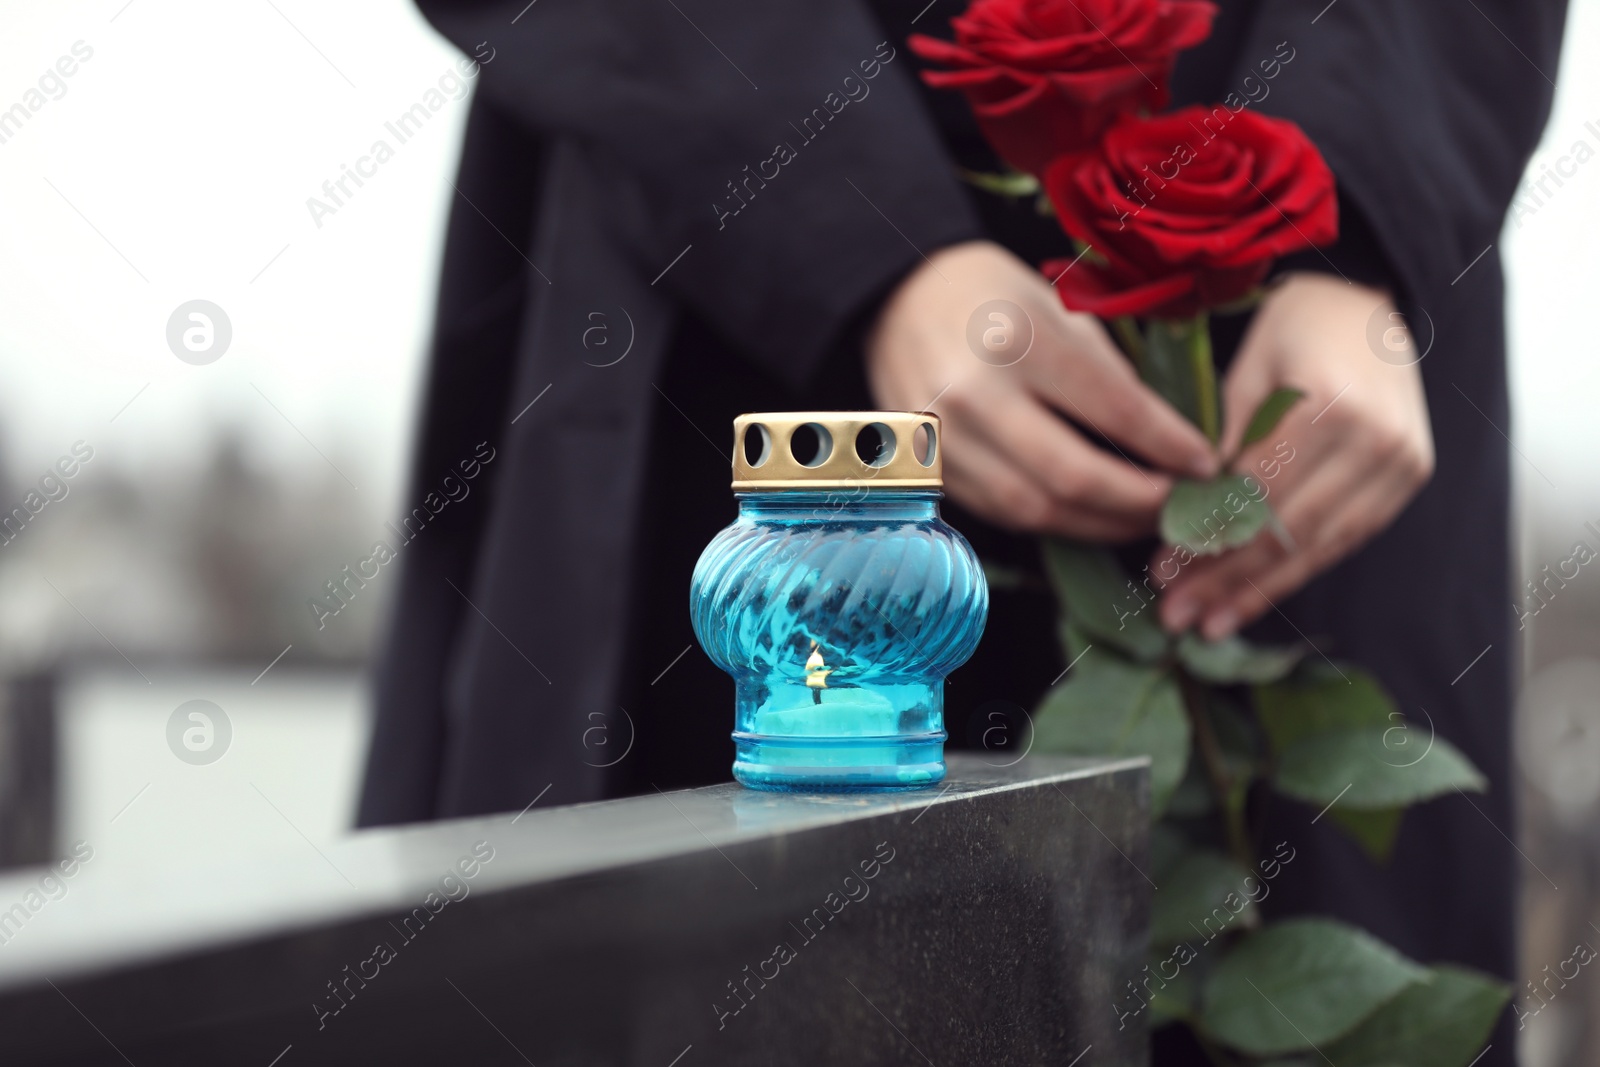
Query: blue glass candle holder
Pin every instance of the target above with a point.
(838, 601)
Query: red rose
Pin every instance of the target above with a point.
(1188, 210)
(1047, 76)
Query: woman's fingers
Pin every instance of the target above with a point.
(1008, 454)
(992, 485)
(1074, 473)
(1083, 375)
(1361, 448)
(1370, 510)
(1339, 505)
(1283, 477)
(1208, 581)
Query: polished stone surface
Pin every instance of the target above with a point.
(1003, 911)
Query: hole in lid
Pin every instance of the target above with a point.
(875, 444)
(925, 444)
(811, 444)
(757, 444)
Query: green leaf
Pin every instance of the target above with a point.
(1267, 415)
(1356, 768)
(1234, 659)
(1294, 709)
(1300, 984)
(1441, 1023)
(1109, 707)
(1212, 516)
(1375, 831)
(1011, 183)
(1299, 711)
(1074, 641)
(1099, 599)
(1196, 890)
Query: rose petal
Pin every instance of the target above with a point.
(1176, 236)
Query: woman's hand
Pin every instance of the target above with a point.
(1007, 455)
(1361, 442)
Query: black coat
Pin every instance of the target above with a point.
(622, 190)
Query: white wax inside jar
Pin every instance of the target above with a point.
(842, 713)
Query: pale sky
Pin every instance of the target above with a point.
(191, 140)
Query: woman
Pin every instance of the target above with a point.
(634, 259)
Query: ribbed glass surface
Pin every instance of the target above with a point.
(838, 616)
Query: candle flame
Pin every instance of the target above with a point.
(817, 670)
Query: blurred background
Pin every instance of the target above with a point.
(225, 469)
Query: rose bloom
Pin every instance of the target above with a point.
(1047, 76)
(1187, 210)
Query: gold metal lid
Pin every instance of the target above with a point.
(825, 450)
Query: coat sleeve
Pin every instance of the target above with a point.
(1426, 112)
(779, 148)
